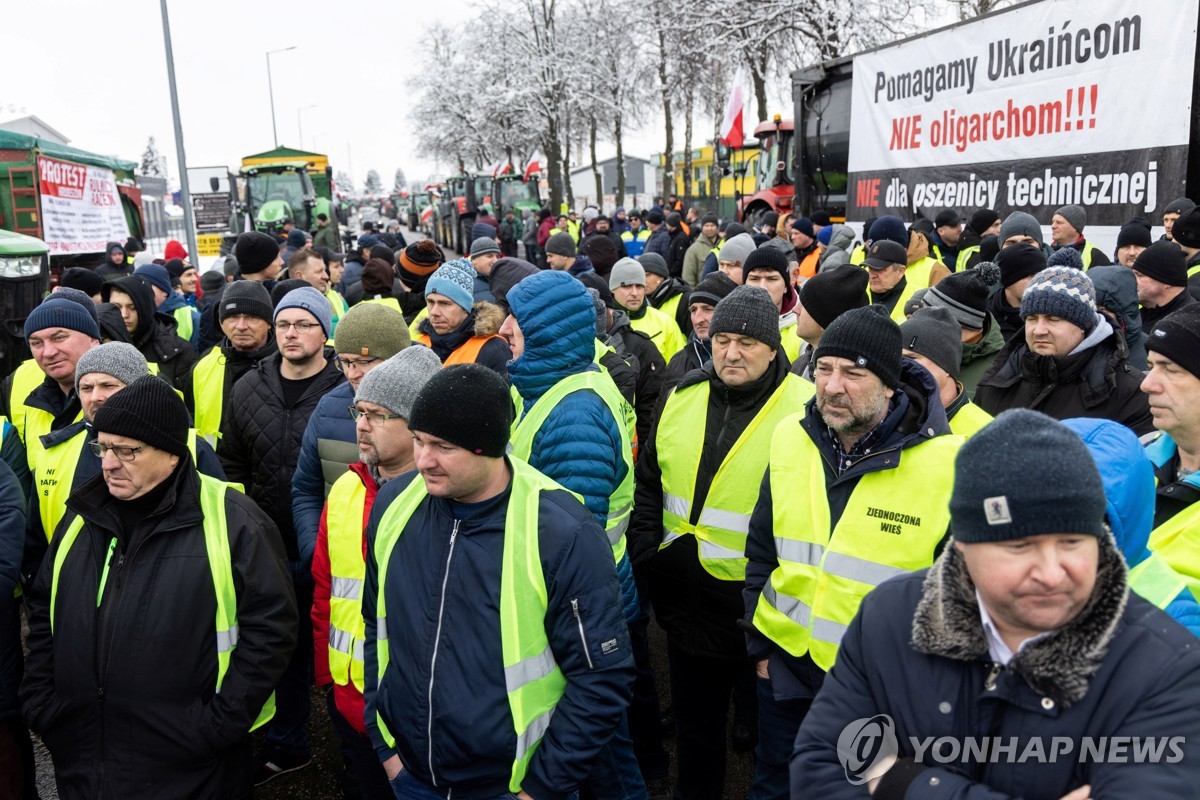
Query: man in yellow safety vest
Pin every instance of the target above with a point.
(162, 614)
(856, 491)
(497, 662)
(381, 409)
(691, 513)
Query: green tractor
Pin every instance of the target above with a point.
(24, 280)
(457, 211)
(513, 192)
(286, 184)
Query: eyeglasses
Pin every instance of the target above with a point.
(122, 452)
(373, 417)
(301, 327)
(344, 364)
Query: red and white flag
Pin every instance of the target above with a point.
(536, 164)
(731, 124)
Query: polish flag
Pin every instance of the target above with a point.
(536, 164)
(731, 125)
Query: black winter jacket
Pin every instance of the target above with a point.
(676, 251)
(444, 696)
(122, 693)
(155, 334)
(700, 613)
(636, 349)
(694, 355)
(1097, 382)
(260, 438)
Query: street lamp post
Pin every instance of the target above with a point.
(185, 193)
(271, 89)
(300, 123)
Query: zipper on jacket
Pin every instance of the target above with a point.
(582, 635)
(990, 683)
(437, 637)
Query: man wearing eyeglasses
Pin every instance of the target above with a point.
(67, 462)
(368, 335)
(161, 619)
(260, 443)
(380, 410)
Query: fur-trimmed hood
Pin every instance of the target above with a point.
(488, 318)
(947, 624)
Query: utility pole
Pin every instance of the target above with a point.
(271, 90)
(185, 194)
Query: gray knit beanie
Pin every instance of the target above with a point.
(121, 360)
(934, 333)
(395, 383)
(1019, 223)
(627, 272)
(1062, 292)
(747, 311)
(1025, 474)
(1075, 215)
(310, 300)
(737, 249)
(483, 245)
(561, 244)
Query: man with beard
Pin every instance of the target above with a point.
(875, 436)
(380, 408)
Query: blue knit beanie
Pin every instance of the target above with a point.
(456, 281)
(311, 301)
(1025, 474)
(1062, 292)
(890, 228)
(57, 312)
(155, 275)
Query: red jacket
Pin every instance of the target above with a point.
(347, 698)
(545, 230)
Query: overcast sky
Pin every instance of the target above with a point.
(97, 73)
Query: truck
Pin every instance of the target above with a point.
(285, 183)
(1029, 108)
(24, 280)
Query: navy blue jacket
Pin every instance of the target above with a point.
(443, 697)
(916, 652)
(329, 438)
(12, 527)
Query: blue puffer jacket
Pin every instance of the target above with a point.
(1128, 477)
(327, 450)
(579, 444)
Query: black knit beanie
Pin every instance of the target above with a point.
(765, 258)
(469, 406)
(149, 411)
(747, 311)
(832, 292)
(255, 251)
(1019, 261)
(1025, 474)
(868, 337)
(1177, 336)
(245, 297)
(982, 219)
(1164, 262)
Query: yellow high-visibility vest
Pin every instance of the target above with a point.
(220, 563)
(722, 525)
(345, 526)
(662, 330)
(969, 420)
(208, 394)
(824, 572)
(532, 676)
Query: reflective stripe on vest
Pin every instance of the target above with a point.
(54, 477)
(533, 681)
(216, 544)
(345, 524)
(1175, 542)
(183, 320)
(620, 504)
(969, 420)
(887, 529)
(27, 377)
(662, 330)
(465, 353)
(722, 524)
(1156, 581)
(208, 394)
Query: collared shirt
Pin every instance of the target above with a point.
(997, 649)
